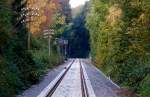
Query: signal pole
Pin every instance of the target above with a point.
(48, 35)
(27, 16)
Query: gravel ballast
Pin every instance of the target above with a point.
(35, 90)
(103, 87)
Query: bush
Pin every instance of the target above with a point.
(145, 87)
(19, 67)
(119, 33)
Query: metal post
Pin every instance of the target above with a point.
(49, 45)
(49, 48)
(66, 44)
(48, 34)
(29, 40)
(29, 37)
(65, 51)
(60, 56)
(58, 51)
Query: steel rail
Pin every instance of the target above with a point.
(83, 82)
(59, 81)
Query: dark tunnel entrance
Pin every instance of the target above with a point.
(78, 39)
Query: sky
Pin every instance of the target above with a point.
(75, 3)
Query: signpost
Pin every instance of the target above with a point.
(63, 43)
(66, 44)
(48, 35)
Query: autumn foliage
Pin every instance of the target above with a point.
(48, 9)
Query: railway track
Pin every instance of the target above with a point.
(84, 88)
(83, 82)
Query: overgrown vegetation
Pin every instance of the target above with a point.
(19, 66)
(120, 43)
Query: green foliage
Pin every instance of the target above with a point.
(20, 67)
(119, 33)
(10, 79)
(144, 87)
(40, 53)
(78, 36)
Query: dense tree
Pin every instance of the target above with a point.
(65, 9)
(21, 67)
(78, 35)
(119, 32)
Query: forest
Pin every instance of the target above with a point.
(115, 34)
(120, 44)
(20, 66)
(77, 34)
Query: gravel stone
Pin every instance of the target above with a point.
(35, 90)
(103, 87)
